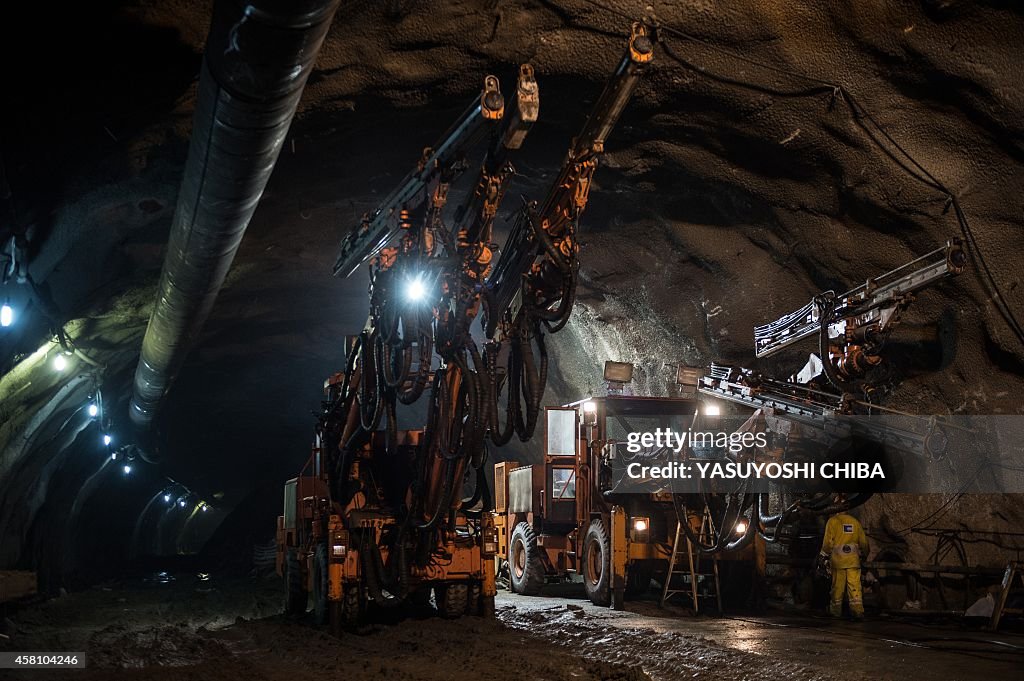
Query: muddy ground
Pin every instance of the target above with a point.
(228, 629)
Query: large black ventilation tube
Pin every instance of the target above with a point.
(258, 57)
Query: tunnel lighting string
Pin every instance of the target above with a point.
(860, 115)
(181, 491)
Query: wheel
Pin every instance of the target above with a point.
(344, 614)
(295, 587)
(350, 607)
(451, 599)
(597, 571)
(473, 599)
(638, 578)
(525, 565)
(320, 585)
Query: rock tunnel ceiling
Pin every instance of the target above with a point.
(730, 193)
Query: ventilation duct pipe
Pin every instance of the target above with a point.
(258, 57)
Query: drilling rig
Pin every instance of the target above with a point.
(377, 516)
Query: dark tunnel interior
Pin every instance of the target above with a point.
(770, 152)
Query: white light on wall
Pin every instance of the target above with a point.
(6, 315)
(127, 469)
(60, 363)
(167, 498)
(589, 407)
(741, 527)
(182, 502)
(93, 410)
(712, 410)
(107, 440)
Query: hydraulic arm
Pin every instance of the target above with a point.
(853, 327)
(542, 243)
(376, 230)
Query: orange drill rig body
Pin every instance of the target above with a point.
(377, 518)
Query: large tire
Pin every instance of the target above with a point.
(451, 599)
(473, 600)
(597, 569)
(526, 567)
(350, 606)
(295, 596)
(321, 587)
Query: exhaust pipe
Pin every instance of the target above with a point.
(258, 57)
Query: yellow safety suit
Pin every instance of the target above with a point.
(844, 543)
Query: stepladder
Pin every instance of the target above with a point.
(698, 581)
(1014, 570)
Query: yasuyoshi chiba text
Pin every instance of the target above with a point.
(734, 470)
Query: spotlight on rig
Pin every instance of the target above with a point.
(415, 290)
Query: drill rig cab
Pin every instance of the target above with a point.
(563, 518)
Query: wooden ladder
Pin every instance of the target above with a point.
(1013, 569)
(693, 559)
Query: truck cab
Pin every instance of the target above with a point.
(566, 516)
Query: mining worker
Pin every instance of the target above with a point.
(842, 547)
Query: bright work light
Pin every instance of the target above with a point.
(93, 410)
(6, 315)
(415, 290)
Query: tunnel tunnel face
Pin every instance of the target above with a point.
(729, 195)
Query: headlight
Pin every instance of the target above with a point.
(640, 529)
